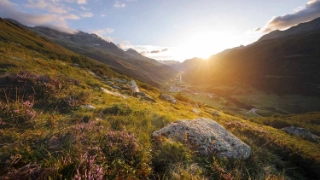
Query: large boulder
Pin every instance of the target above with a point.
(168, 97)
(298, 131)
(133, 85)
(207, 137)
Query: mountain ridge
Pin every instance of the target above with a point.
(305, 27)
(127, 63)
(287, 64)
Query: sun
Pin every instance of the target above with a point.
(204, 44)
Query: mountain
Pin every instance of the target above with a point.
(282, 64)
(129, 62)
(169, 62)
(188, 64)
(307, 27)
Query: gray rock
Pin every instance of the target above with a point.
(139, 94)
(88, 106)
(195, 111)
(109, 83)
(120, 80)
(133, 85)
(301, 132)
(75, 65)
(115, 87)
(143, 96)
(216, 113)
(91, 73)
(206, 136)
(148, 98)
(168, 98)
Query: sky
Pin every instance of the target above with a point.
(166, 29)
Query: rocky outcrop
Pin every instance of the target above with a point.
(298, 131)
(168, 97)
(133, 85)
(207, 137)
(113, 93)
(143, 96)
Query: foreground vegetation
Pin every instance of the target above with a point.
(49, 131)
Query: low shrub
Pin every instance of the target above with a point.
(118, 110)
(125, 156)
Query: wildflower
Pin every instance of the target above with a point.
(31, 113)
(27, 104)
(2, 122)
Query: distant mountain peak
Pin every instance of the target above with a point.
(305, 27)
(130, 50)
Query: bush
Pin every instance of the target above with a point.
(118, 109)
(166, 153)
(125, 156)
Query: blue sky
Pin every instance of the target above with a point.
(166, 29)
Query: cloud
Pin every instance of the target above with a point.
(157, 51)
(118, 4)
(57, 21)
(154, 52)
(102, 15)
(87, 14)
(121, 46)
(257, 29)
(51, 6)
(83, 8)
(77, 1)
(302, 14)
(82, 1)
(103, 32)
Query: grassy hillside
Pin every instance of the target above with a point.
(57, 123)
(139, 67)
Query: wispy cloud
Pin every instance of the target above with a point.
(83, 8)
(56, 20)
(301, 14)
(119, 4)
(102, 15)
(51, 6)
(103, 33)
(82, 1)
(77, 1)
(87, 14)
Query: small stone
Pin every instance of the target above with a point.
(216, 113)
(168, 98)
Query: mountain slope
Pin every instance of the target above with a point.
(17, 35)
(307, 27)
(125, 62)
(284, 65)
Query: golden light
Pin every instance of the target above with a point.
(204, 44)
